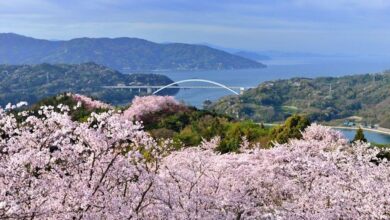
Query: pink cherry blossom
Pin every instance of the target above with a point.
(90, 103)
(320, 178)
(109, 168)
(145, 105)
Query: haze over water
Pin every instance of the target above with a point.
(253, 77)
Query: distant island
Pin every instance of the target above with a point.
(31, 83)
(123, 54)
(253, 55)
(343, 100)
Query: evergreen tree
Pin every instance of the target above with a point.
(359, 136)
(292, 128)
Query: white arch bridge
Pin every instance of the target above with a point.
(178, 85)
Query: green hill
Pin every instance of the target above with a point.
(33, 82)
(322, 99)
(124, 54)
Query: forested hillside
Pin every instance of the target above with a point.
(322, 99)
(33, 82)
(123, 54)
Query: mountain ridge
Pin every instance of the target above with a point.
(124, 53)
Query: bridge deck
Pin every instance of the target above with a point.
(174, 87)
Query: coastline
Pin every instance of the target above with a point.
(379, 130)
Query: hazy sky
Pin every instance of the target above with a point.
(318, 26)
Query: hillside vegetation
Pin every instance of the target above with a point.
(165, 118)
(322, 99)
(124, 54)
(33, 82)
(97, 162)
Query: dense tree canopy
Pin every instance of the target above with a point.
(108, 167)
(292, 128)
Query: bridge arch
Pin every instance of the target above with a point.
(196, 80)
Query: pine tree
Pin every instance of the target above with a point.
(291, 129)
(359, 136)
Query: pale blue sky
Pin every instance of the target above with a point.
(318, 26)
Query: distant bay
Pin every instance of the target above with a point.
(253, 77)
(370, 135)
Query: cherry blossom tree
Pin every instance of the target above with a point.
(143, 106)
(89, 102)
(52, 167)
(108, 168)
(319, 177)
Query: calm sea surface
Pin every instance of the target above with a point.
(253, 77)
(371, 136)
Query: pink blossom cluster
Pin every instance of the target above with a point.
(320, 177)
(9, 106)
(109, 168)
(54, 168)
(90, 103)
(145, 105)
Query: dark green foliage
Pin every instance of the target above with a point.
(190, 126)
(292, 128)
(175, 122)
(33, 82)
(162, 133)
(188, 137)
(384, 152)
(359, 136)
(321, 99)
(262, 125)
(125, 54)
(229, 144)
(234, 132)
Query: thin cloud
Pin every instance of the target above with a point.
(306, 25)
(346, 4)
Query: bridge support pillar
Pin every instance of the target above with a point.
(242, 90)
(149, 90)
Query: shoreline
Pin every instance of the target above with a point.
(380, 130)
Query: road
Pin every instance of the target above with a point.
(379, 130)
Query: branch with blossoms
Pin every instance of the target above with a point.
(57, 167)
(141, 107)
(108, 167)
(89, 102)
